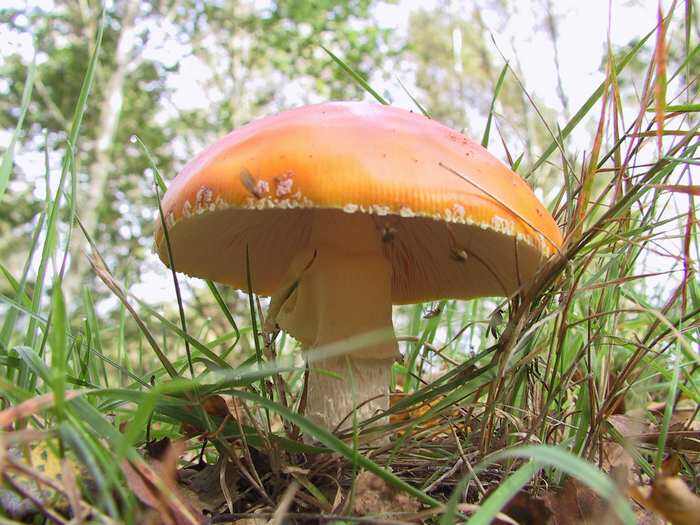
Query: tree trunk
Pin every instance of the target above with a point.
(95, 195)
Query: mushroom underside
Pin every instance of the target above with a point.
(333, 277)
(430, 259)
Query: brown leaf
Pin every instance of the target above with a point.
(374, 496)
(204, 486)
(629, 426)
(577, 504)
(616, 458)
(526, 510)
(415, 412)
(671, 466)
(683, 434)
(216, 406)
(669, 496)
(155, 485)
(219, 409)
(410, 414)
(675, 501)
(68, 479)
(157, 448)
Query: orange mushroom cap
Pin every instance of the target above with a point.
(457, 222)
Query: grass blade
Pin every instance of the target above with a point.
(578, 468)
(8, 157)
(503, 494)
(356, 77)
(496, 92)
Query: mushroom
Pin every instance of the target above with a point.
(346, 208)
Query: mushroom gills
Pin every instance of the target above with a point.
(336, 302)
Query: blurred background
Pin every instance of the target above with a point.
(180, 74)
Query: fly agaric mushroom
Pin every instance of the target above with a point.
(346, 208)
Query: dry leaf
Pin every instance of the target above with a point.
(629, 426)
(416, 412)
(157, 448)
(41, 477)
(410, 414)
(155, 485)
(526, 510)
(577, 504)
(220, 410)
(374, 496)
(616, 458)
(669, 496)
(203, 486)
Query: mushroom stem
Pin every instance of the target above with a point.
(340, 310)
(355, 384)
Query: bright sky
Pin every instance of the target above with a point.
(583, 29)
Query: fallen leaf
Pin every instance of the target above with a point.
(203, 487)
(374, 496)
(526, 510)
(155, 485)
(415, 412)
(216, 406)
(157, 448)
(669, 496)
(70, 484)
(39, 476)
(577, 504)
(617, 458)
(220, 410)
(672, 465)
(629, 426)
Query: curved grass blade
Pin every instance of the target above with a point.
(503, 494)
(576, 467)
(355, 76)
(496, 92)
(413, 99)
(8, 156)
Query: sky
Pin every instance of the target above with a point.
(584, 27)
(583, 31)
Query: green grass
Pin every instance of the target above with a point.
(550, 363)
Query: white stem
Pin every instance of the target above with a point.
(341, 300)
(361, 383)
